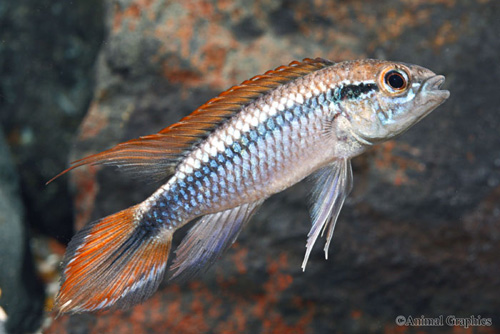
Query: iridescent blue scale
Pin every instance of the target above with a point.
(222, 185)
(236, 146)
(253, 135)
(200, 198)
(237, 173)
(261, 128)
(214, 177)
(245, 153)
(252, 147)
(244, 141)
(280, 120)
(321, 99)
(183, 194)
(221, 172)
(206, 181)
(270, 124)
(237, 160)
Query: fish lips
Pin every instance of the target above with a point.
(431, 88)
(430, 96)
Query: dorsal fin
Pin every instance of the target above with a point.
(210, 115)
(156, 156)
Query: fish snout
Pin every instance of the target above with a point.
(433, 86)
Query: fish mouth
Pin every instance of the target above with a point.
(431, 95)
(433, 86)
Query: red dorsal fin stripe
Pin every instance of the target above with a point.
(156, 156)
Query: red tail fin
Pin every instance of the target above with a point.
(112, 261)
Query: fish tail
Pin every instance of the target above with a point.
(114, 261)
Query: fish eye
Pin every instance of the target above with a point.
(395, 81)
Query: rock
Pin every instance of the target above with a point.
(418, 234)
(22, 295)
(47, 52)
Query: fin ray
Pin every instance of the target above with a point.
(333, 184)
(111, 263)
(209, 238)
(153, 157)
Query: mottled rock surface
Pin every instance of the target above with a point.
(47, 53)
(22, 294)
(418, 236)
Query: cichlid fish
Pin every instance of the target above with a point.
(221, 162)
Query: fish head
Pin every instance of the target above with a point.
(401, 95)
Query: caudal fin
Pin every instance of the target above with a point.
(112, 262)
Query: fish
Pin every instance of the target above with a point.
(220, 163)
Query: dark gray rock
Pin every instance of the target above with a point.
(22, 293)
(47, 53)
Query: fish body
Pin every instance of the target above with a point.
(221, 162)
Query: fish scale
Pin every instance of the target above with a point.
(221, 162)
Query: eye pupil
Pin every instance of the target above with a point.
(395, 80)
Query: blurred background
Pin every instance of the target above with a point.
(419, 235)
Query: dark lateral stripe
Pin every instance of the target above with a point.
(352, 92)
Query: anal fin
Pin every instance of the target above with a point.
(333, 184)
(209, 238)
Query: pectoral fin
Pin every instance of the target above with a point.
(209, 238)
(333, 184)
